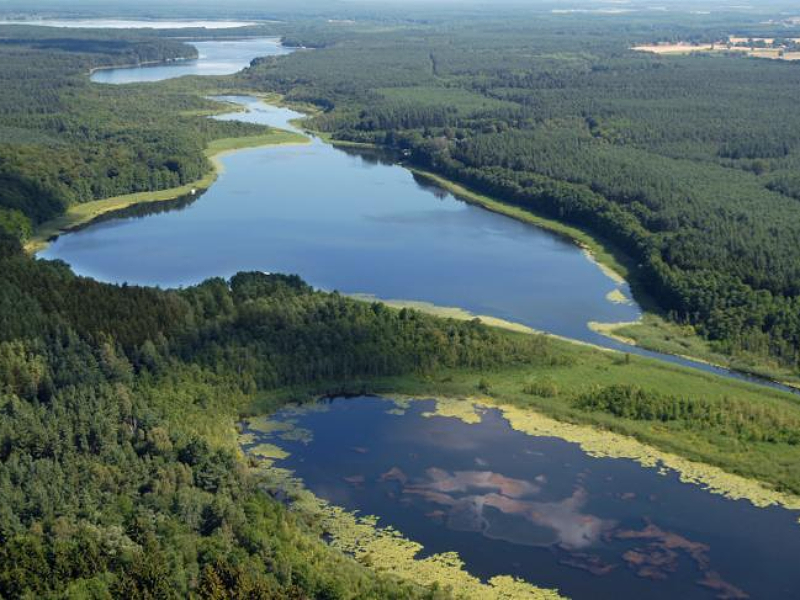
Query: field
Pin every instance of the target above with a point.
(737, 45)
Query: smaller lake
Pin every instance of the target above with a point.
(215, 58)
(538, 508)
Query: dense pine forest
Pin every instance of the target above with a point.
(686, 165)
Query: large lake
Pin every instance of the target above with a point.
(344, 219)
(538, 508)
(353, 221)
(348, 220)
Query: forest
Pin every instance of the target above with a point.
(120, 474)
(685, 165)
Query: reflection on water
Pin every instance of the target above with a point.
(145, 209)
(538, 508)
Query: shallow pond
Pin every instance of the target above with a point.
(535, 507)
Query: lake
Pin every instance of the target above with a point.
(215, 58)
(352, 220)
(533, 507)
(538, 508)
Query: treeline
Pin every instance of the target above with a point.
(64, 140)
(687, 164)
(118, 476)
(728, 417)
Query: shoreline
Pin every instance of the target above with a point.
(364, 538)
(595, 250)
(80, 215)
(604, 257)
(144, 63)
(608, 259)
(461, 314)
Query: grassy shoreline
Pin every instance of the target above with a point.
(652, 331)
(773, 467)
(671, 339)
(80, 215)
(655, 333)
(611, 262)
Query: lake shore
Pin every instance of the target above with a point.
(80, 215)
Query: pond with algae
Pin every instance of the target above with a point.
(533, 507)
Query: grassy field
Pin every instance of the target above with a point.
(719, 47)
(81, 214)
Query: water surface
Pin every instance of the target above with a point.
(215, 58)
(539, 508)
(353, 221)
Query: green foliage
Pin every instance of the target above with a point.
(16, 224)
(64, 140)
(545, 388)
(119, 474)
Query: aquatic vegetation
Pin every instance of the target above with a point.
(618, 297)
(385, 549)
(267, 425)
(465, 410)
(297, 434)
(245, 439)
(401, 405)
(269, 452)
(286, 430)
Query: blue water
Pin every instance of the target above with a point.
(215, 58)
(356, 222)
(540, 508)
